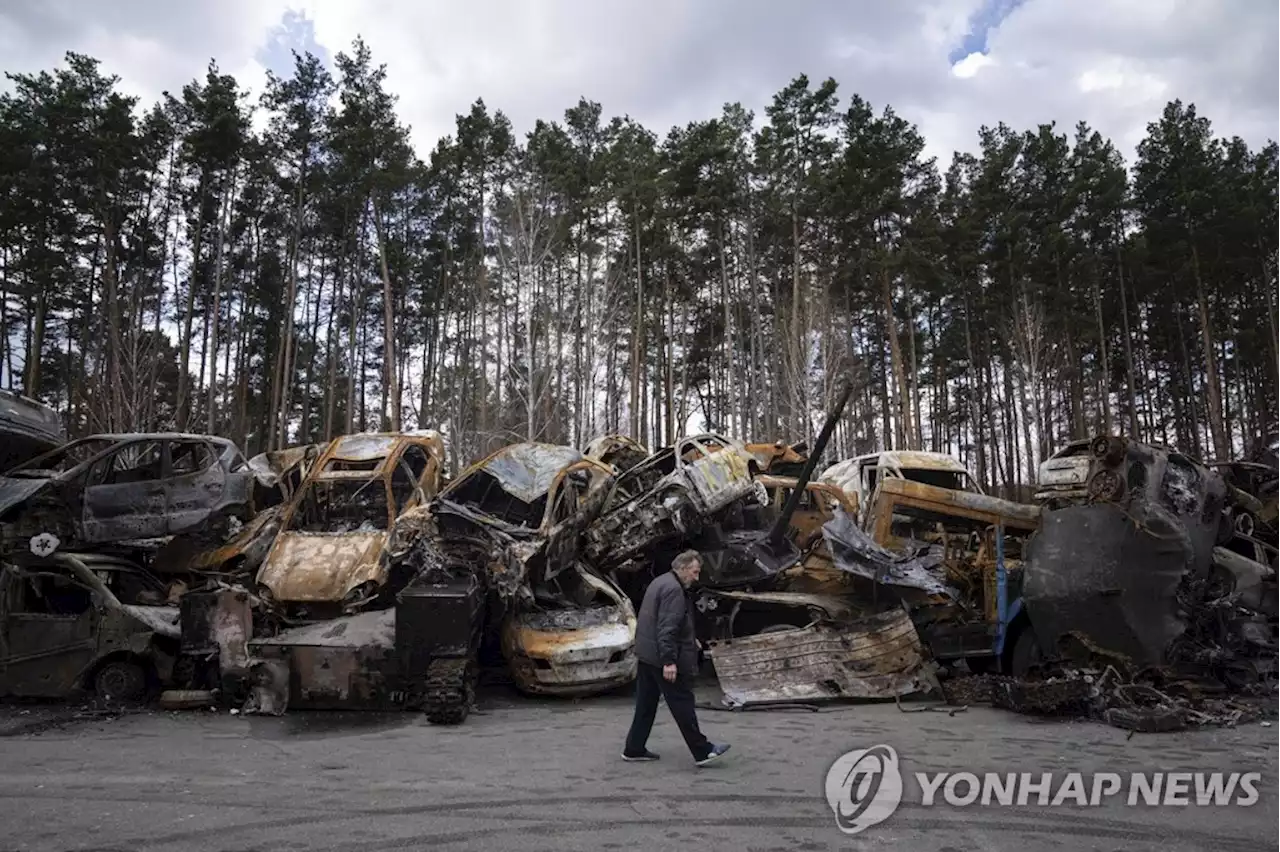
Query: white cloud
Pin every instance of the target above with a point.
(665, 62)
(971, 64)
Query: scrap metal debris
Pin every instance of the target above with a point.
(879, 656)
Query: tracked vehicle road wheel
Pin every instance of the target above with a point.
(450, 689)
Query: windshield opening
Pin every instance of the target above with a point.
(483, 493)
(65, 458)
(341, 507)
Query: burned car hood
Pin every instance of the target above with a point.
(16, 490)
(158, 619)
(321, 567)
(527, 470)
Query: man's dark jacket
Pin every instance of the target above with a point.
(664, 629)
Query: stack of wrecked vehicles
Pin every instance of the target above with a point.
(355, 574)
(1150, 591)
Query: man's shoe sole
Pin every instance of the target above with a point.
(640, 759)
(711, 758)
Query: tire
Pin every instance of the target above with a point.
(120, 681)
(980, 665)
(1026, 652)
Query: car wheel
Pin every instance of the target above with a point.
(120, 681)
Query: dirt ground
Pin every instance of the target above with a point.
(525, 774)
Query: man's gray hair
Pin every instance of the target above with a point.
(686, 560)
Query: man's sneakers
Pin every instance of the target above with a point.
(717, 751)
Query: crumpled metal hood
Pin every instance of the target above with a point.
(14, 490)
(159, 619)
(854, 551)
(880, 656)
(526, 471)
(321, 567)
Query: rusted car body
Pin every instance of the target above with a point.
(63, 630)
(779, 458)
(860, 476)
(618, 451)
(573, 647)
(328, 557)
(527, 505)
(519, 515)
(673, 494)
(118, 488)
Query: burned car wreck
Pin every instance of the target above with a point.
(1150, 517)
(516, 518)
(703, 481)
(119, 488)
(330, 554)
(65, 631)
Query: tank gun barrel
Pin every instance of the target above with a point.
(779, 529)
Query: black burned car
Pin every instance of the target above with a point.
(115, 488)
(71, 625)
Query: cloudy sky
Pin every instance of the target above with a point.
(948, 65)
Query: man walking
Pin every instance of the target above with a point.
(667, 655)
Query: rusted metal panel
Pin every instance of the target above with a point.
(959, 504)
(528, 470)
(349, 662)
(853, 550)
(321, 567)
(219, 623)
(618, 451)
(880, 656)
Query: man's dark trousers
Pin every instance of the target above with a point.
(649, 685)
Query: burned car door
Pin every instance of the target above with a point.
(196, 484)
(716, 470)
(576, 500)
(49, 631)
(124, 494)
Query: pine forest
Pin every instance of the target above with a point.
(165, 267)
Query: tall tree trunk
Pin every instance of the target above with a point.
(392, 382)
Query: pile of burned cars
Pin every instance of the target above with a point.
(356, 573)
